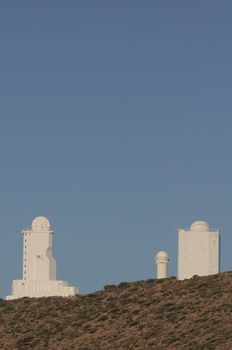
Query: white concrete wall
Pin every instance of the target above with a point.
(198, 252)
(37, 289)
(162, 270)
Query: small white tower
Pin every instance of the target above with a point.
(161, 261)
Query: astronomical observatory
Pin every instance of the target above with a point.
(161, 260)
(198, 251)
(39, 266)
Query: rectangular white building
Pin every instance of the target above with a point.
(198, 251)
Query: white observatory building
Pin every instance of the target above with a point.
(198, 251)
(161, 260)
(39, 266)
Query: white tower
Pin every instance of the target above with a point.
(38, 262)
(39, 266)
(198, 251)
(161, 261)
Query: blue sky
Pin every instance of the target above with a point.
(115, 123)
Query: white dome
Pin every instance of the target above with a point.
(40, 223)
(162, 255)
(199, 226)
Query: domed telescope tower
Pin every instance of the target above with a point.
(38, 262)
(161, 260)
(198, 251)
(39, 266)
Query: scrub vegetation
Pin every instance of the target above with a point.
(145, 315)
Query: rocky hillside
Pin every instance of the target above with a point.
(163, 314)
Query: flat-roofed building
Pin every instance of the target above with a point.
(198, 251)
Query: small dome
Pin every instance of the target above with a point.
(161, 255)
(40, 223)
(199, 226)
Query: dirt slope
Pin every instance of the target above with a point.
(164, 314)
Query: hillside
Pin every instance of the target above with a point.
(151, 314)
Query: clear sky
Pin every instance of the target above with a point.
(115, 123)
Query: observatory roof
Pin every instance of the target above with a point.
(41, 223)
(200, 226)
(162, 255)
